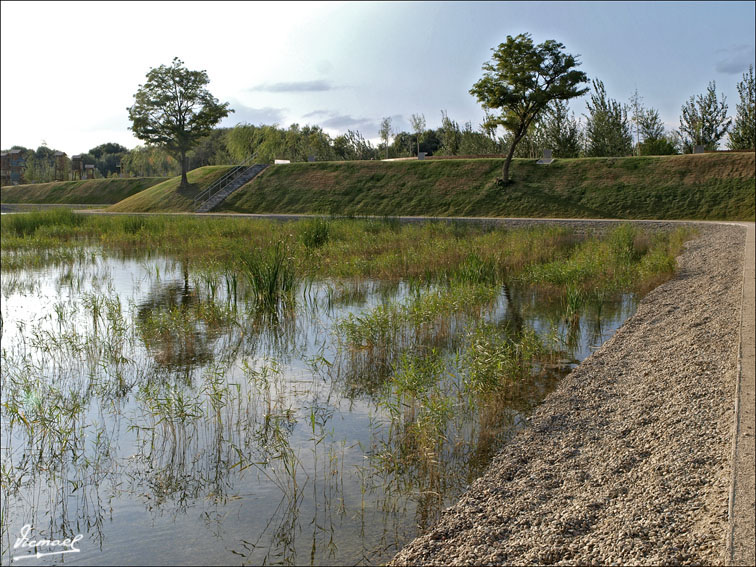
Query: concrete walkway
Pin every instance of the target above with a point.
(741, 539)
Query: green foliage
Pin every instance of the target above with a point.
(314, 233)
(353, 146)
(450, 136)
(270, 143)
(560, 132)
(39, 165)
(497, 358)
(521, 80)
(270, 275)
(477, 271)
(476, 142)
(743, 135)
(173, 110)
(664, 146)
(106, 157)
(607, 129)
(417, 121)
(704, 120)
(29, 223)
(211, 150)
(149, 162)
(385, 133)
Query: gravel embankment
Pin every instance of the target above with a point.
(628, 460)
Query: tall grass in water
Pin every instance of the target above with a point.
(28, 224)
(497, 358)
(314, 233)
(270, 275)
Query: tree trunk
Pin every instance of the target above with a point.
(184, 180)
(510, 154)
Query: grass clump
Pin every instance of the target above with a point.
(270, 275)
(28, 224)
(497, 358)
(314, 233)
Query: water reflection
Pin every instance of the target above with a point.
(145, 401)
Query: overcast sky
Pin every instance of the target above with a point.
(70, 69)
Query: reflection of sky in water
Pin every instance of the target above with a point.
(182, 496)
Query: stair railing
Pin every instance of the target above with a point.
(219, 184)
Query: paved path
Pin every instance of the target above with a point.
(742, 507)
(742, 537)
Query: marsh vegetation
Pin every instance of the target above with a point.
(224, 390)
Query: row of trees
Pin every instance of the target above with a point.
(608, 128)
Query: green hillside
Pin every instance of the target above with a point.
(704, 186)
(167, 196)
(92, 191)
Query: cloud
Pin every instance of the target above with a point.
(344, 122)
(294, 87)
(735, 59)
(266, 115)
(317, 113)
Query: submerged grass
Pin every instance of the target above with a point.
(439, 365)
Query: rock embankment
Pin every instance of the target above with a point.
(628, 461)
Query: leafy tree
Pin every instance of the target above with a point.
(173, 110)
(39, 164)
(403, 144)
(474, 142)
(637, 111)
(149, 162)
(532, 144)
(743, 135)
(317, 143)
(418, 126)
(650, 125)
(704, 120)
(105, 158)
(108, 148)
(607, 128)
(521, 80)
(655, 141)
(561, 133)
(450, 135)
(211, 150)
(353, 146)
(385, 133)
(242, 140)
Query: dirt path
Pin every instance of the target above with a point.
(742, 536)
(630, 460)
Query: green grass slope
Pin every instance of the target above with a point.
(92, 191)
(713, 186)
(167, 196)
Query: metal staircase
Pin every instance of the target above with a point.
(230, 182)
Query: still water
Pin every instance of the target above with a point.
(149, 409)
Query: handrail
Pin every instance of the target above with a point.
(218, 184)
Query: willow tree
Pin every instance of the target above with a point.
(521, 80)
(173, 110)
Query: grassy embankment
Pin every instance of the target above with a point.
(167, 196)
(91, 191)
(708, 186)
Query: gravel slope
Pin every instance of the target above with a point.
(628, 461)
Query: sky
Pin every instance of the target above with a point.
(69, 70)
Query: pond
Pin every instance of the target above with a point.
(150, 408)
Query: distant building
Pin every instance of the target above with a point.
(12, 167)
(60, 166)
(77, 167)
